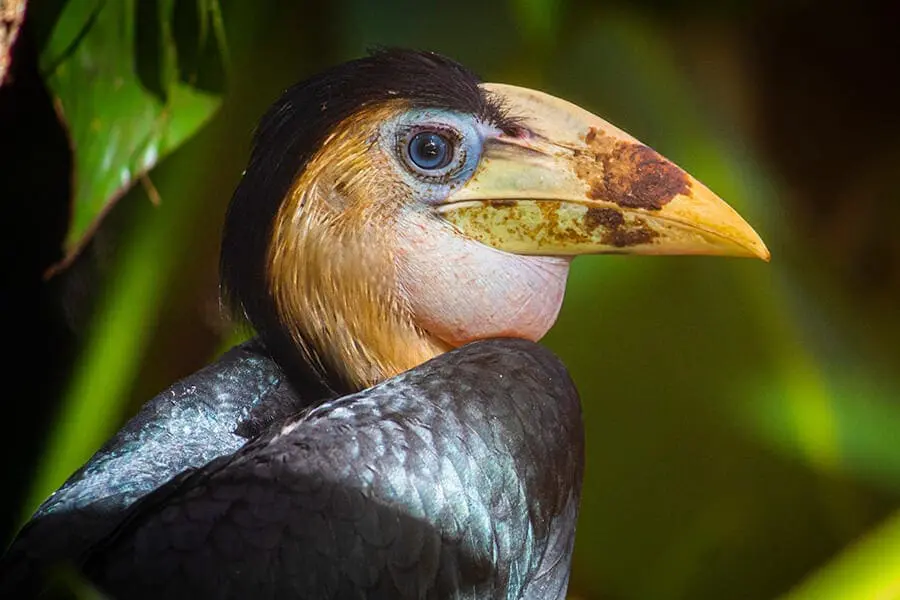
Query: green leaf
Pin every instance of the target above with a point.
(122, 96)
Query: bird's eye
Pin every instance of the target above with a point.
(434, 148)
(430, 150)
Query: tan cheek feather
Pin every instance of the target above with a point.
(331, 272)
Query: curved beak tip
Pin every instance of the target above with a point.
(758, 249)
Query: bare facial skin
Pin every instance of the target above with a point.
(460, 290)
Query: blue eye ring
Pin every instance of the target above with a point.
(433, 172)
(430, 150)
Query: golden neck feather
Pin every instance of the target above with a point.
(332, 274)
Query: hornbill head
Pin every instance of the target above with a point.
(395, 207)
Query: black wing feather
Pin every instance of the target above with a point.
(208, 414)
(425, 486)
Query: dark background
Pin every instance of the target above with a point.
(741, 417)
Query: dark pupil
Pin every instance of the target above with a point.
(429, 150)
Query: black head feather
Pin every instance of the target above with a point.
(287, 138)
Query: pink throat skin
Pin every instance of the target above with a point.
(460, 290)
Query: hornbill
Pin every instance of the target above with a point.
(400, 240)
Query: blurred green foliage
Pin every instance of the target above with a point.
(113, 69)
(740, 431)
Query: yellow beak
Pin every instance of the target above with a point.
(574, 184)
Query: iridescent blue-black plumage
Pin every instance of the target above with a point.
(460, 478)
(208, 414)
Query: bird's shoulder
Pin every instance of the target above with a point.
(205, 415)
(461, 474)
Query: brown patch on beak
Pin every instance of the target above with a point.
(502, 203)
(628, 174)
(616, 231)
(603, 217)
(554, 227)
